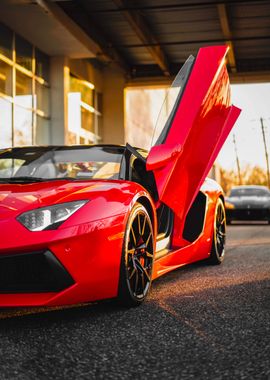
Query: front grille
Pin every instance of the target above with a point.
(249, 214)
(32, 272)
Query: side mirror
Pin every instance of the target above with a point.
(161, 155)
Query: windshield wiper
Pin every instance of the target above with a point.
(27, 179)
(21, 179)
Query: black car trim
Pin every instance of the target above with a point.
(33, 272)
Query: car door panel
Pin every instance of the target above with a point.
(198, 128)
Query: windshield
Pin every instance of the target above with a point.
(171, 103)
(249, 192)
(49, 163)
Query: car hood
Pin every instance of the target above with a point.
(254, 200)
(17, 198)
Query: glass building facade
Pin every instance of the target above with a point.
(25, 96)
(24, 91)
(84, 111)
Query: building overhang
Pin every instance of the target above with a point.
(47, 26)
(235, 78)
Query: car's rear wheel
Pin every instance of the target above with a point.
(219, 234)
(137, 258)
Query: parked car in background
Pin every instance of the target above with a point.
(248, 203)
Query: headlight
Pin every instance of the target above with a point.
(49, 218)
(229, 205)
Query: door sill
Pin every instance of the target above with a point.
(163, 243)
(162, 253)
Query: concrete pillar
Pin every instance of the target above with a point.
(59, 81)
(113, 106)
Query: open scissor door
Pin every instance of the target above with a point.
(198, 124)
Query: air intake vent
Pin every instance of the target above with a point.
(32, 273)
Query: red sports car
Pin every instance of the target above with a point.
(85, 223)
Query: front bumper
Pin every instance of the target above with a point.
(61, 267)
(248, 214)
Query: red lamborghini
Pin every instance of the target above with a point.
(85, 223)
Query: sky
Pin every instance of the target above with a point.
(254, 100)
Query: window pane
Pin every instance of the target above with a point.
(42, 131)
(42, 98)
(82, 141)
(71, 138)
(42, 65)
(74, 112)
(5, 123)
(5, 78)
(23, 90)
(22, 126)
(87, 120)
(6, 41)
(82, 87)
(23, 53)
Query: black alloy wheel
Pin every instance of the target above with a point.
(137, 258)
(219, 234)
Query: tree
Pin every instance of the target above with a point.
(251, 175)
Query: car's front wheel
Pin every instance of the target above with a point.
(137, 258)
(219, 234)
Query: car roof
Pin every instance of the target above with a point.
(250, 187)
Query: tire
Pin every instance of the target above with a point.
(137, 258)
(219, 235)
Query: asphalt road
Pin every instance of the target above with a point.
(200, 322)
